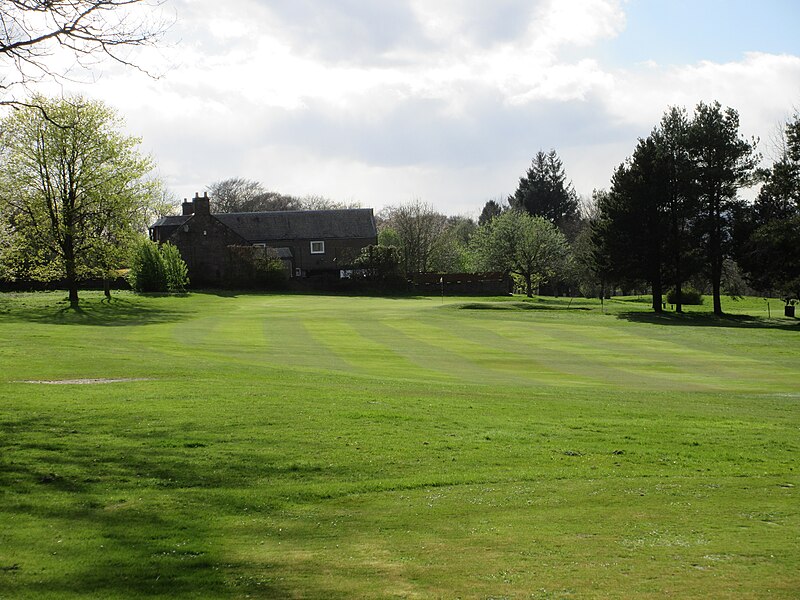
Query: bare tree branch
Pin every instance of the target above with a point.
(36, 33)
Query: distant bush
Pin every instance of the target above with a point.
(689, 296)
(157, 269)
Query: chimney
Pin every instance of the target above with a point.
(202, 205)
(188, 207)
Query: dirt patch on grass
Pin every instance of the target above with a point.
(89, 381)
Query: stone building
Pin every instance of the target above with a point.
(310, 243)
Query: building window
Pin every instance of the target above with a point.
(317, 247)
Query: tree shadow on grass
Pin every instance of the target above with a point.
(119, 312)
(709, 320)
(137, 553)
(166, 545)
(519, 306)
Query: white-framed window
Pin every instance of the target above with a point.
(317, 247)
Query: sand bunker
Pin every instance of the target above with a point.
(85, 381)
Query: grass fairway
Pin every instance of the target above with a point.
(276, 446)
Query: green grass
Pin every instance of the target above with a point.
(294, 446)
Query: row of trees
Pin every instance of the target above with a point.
(672, 220)
(528, 235)
(75, 195)
(673, 211)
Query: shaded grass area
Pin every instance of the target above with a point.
(122, 310)
(696, 319)
(340, 447)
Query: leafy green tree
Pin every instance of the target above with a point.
(724, 163)
(74, 190)
(545, 192)
(380, 263)
(779, 197)
(519, 243)
(676, 195)
(451, 252)
(387, 236)
(774, 258)
(793, 139)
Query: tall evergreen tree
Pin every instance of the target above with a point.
(545, 192)
(725, 162)
(680, 195)
(633, 225)
(770, 235)
(491, 209)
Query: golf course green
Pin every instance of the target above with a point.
(309, 446)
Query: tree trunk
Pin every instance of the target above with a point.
(716, 257)
(69, 267)
(676, 239)
(107, 288)
(528, 285)
(658, 294)
(716, 286)
(657, 300)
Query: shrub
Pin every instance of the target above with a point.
(689, 296)
(147, 272)
(175, 270)
(157, 269)
(378, 262)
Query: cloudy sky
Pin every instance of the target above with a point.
(384, 101)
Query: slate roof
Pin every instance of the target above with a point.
(174, 221)
(301, 224)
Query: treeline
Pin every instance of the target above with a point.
(531, 235)
(672, 222)
(238, 194)
(76, 195)
(673, 214)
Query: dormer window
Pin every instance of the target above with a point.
(318, 247)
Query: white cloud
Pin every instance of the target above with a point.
(760, 87)
(577, 22)
(382, 102)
